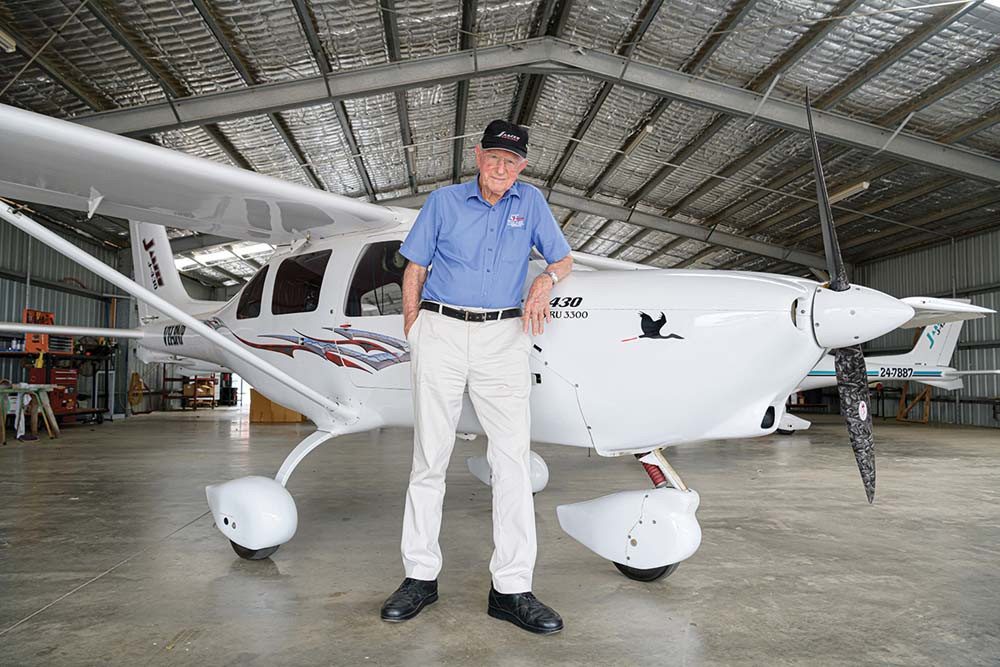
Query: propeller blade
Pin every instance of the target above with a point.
(852, 383)
(852, 372)
(834, 262)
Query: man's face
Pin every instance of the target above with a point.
(499, 168)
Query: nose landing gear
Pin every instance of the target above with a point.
(646, 534)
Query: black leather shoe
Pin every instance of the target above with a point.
(407, 601)
(525, 611)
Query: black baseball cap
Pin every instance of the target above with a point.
(507, 136)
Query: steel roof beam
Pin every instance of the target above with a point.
(687, 230)
(390, 29)
(663, 251)
(687, 89)
(803, 206)
(788, 59)
(461, 111)
(466, 41)
(530, 86)
(68, 221)
(171, 88)
(352, 145)
(944, 18)
(842, 217)
(249, 79)
(183, 244)
(195, 110)
(214, 267)
(697, 257)
(626, 50)
(840, 220)
(940, 90)
(226, 146)
(919, 238)
(653, 221)
(987, 198)
(945, 87)
(307, 23)
(695, 65)
(52, 70)
(195, 273)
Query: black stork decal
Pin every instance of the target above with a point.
(651, 328)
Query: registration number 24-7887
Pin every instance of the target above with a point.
(895, 372)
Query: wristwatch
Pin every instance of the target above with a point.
(552, 274)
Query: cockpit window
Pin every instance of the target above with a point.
(253, 294)
(377, 285)
(298, 282)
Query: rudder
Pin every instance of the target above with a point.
(936, 344)
(153, 265)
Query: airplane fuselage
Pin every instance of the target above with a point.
(598, 381)
(881, 369)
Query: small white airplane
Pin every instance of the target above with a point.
(627, 367)
(926, 363)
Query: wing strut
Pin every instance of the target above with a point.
(63, 247)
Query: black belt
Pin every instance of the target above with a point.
(468, 315)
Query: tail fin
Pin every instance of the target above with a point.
(936, 344)
(154, 268)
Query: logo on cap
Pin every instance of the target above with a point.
(508, 135)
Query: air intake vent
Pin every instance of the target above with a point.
(768, 420)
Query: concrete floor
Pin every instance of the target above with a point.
(107, 554)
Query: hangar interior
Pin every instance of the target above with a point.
(660, 135)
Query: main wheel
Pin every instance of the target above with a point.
(652, 574)
(253, 554)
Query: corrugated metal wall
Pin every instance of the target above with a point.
(58, 285)
(975, 264)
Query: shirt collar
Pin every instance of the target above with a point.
(472, 190)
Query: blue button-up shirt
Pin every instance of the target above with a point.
(479, 253)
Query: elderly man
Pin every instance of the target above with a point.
(468, 252)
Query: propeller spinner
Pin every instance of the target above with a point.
(852, 373)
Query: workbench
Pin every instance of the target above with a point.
(40, 396)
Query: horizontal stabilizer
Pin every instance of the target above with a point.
(953, 384)
(59, 330)
(930, 310)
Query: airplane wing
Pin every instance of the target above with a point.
(59, 163)
(58, 330)
(929, 310)
(605, 263)
(332, 415)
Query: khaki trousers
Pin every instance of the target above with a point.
(492, 358)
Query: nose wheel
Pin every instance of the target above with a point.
(651, 574)
(261, 554)
(662, 474)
